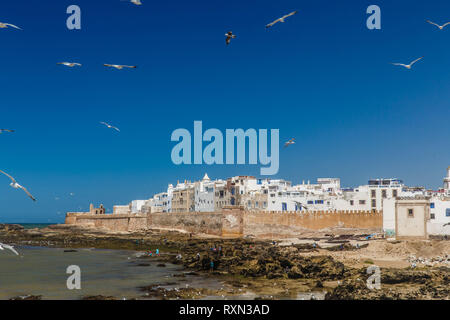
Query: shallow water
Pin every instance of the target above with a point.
(42, 271)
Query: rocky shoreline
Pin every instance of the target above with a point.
(265, 269)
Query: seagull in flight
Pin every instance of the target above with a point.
(15, 185)
(136, 2)
(110, 126)
(5, 246)
(229, 36)
(119, 66)
(440, 27)
(288, 143)
(5, 130)
(70, 64)
(6, 25)
(282, 19)
(407, 66)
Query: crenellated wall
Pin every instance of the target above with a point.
(232, 221)
(264, 224)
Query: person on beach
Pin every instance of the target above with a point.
(212, 265)
(157, 252)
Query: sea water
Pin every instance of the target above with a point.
(42, 271)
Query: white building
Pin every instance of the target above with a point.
(436, 212)
(136, 205)
(159, 203)
(204, 195)
(447, 182)
(439, 215)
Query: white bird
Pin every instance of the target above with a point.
(5, 246)
(440, 27)
(110, 126)
(407, 66)
(70, 64)
(282, 19)
(136, 2)
(15, 185)
(119, 66)
(288, 143)
(6, 25)
(229, 36)
(6, 130)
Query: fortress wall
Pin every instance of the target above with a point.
(196, 222)
(292, 223)
(232, 222)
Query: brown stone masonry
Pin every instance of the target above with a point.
(231, 221)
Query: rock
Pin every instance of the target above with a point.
(99, 297)
(319, 284)
(404, 276)
(295, 273)
(27, 297)
(10, 227)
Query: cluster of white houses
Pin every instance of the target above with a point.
(326, 194)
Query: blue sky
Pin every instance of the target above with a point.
(321, 77)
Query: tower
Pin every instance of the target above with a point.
(447, 180)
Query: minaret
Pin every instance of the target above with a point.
(447, 180)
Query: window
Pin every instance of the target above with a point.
(394, 193)
(351, 202)
(284, 206)
(432, 205)
(432, 216)
(374, 203)
(383, 193)
(411, 213)
(447, 212)
(310, 202)
(374, 193)
(319, 201)
(362, 201)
